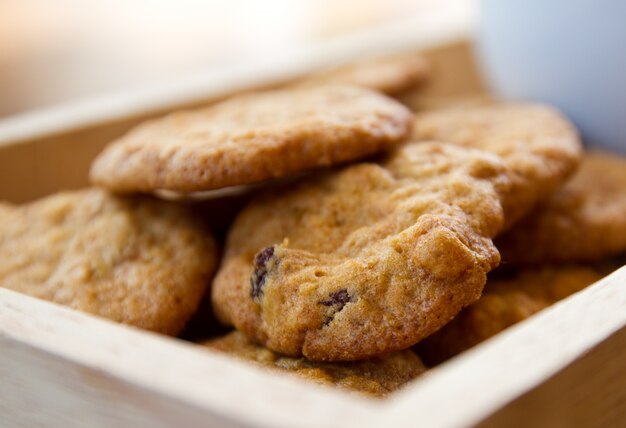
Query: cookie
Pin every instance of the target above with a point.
(367, 260)
(506, 301)
(391, 75)
(454, 73)
(438, 102)
(376, 376)
(538, 145)
(584, 221)
(137, 261)
(251, 138)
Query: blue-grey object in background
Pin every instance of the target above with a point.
(570, 53)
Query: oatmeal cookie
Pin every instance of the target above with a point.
(584, 221)
(366, 260)
(251, 138)
(391, 75)
(538, 145)
(506, 300)
(137, 261)
(376, 376)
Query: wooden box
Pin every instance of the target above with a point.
(566, 366)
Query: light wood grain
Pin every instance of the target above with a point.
(68, 364)
(514, 364)
(62, 359)
(591, 392)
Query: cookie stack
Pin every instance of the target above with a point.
(367, 238)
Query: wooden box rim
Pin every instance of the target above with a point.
(125, 377)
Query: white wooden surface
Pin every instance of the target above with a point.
(487, 377)
(59, 368)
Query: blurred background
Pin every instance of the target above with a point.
(53, 52)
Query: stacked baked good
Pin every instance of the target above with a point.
(368, 233)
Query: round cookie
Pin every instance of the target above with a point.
(251, 138)
(391, 75)
(137, 261)
(506, 300)
(376, 376)
(538, 145)
(583, 221)
(367, 260)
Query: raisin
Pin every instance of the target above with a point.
(339, 297)
(263, 256)
(337, 300)
(259, 275)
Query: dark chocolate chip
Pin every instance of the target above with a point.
(259, 276)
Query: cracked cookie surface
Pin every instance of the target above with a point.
(540, 147)
(366, 260)
(137, 261)
(583, 221)
(376, 376)
(250, 138)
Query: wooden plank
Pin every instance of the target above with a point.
(591, 392)
(490, 378)
(67, 364)
(131, 375)
(43, 390)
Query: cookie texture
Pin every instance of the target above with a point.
(538, 145)
(583, 221)
(137, 261)
(425, 101)
(367, 260)
(376, 376)
(506, 300)
(251, 138)
(391, 75)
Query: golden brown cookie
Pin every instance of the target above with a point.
(438, 102)
(137, 261)
(367, 260)
(506, 300)
(251, 138)
(584, 221)
(538, 145)
(391, 75)
(376, 376)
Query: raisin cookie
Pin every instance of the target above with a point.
(251, 138)
(391, 75)
(366, 260)
(137, 261)
(506, 300)
(584, 221)
(538, 145)
(376, 376)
